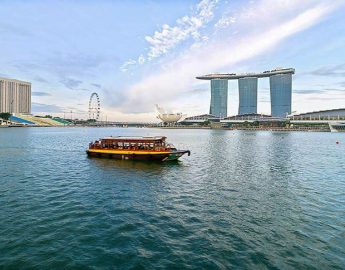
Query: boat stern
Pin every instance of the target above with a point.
(175, 155)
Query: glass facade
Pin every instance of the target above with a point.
(248, 95)
(281, 94)
(219, 97)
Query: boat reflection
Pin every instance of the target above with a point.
(136, 165)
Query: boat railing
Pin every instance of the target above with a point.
(100, 145)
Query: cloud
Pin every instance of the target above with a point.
(225, 22)
(141, 60)
(96, 85)
(62, 66)
(40, 94)
(264, 100)
(197, 91)
(9, 29)
(318, 91)
(46, 108)
(40, 79)
(308, 92)
(186, 27)
(330, 71)
(3, 75)
(71, 83)
(166, 84)
(330, 98)
(52, 108)
(126, 65)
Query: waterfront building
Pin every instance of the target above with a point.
(248, 95)
(281, 94)
(219, 98)
(324, 115)
(168, 117)
(15, 96)
(250, 117)
(280, 91)
(199, 119)
(253, 120)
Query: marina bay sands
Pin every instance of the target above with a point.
(280, 91)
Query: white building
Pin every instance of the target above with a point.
(15, 96)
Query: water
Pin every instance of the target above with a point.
(259, 200)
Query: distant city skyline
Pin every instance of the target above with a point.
(135, 54)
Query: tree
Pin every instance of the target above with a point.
(206, 123)
(255, 124)
(5, 116)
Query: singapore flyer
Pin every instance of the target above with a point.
(94, 107)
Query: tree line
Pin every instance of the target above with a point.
(5, 116)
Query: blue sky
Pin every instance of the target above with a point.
(135, 54)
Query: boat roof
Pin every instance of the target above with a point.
(135, 138)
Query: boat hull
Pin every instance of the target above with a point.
(126, 155)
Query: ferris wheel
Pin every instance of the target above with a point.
(94, 107)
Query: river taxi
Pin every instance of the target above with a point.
(136, 148)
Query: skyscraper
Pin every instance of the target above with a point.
(281, 94)
(219, 97)
(15, 96)
(280, 88)
(248, 95)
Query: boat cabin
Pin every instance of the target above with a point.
(132, 143)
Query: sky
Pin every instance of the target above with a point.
(136, 54)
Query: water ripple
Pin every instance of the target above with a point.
(257, 200)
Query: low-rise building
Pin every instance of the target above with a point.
(199, 119)
(332, 114)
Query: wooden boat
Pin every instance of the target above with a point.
(137, 148)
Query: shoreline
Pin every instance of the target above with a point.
(280, 129)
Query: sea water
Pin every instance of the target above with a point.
(243, 199)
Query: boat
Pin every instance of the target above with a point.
(135, 148)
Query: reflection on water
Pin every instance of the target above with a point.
(243, 199)
(134, 165)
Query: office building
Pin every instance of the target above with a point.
(15, 96)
